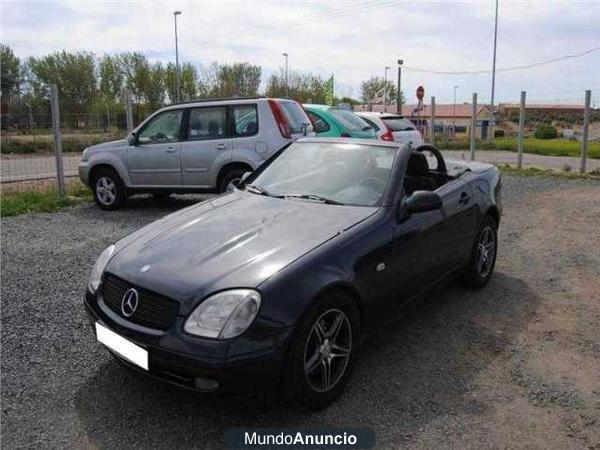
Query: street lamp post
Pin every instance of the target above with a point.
(492, 128)
(399, 92)
(177, 89)
(286, 74)
(454, 112)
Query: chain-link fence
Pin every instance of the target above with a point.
(553, 134)
(28, 143)
(525, 134)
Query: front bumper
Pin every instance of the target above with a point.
(84, 172)
(236, 366)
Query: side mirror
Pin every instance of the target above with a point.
(243, 178)
(132, 139)
(423, 201)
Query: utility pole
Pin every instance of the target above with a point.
(286, 75)
(398, 89)
(493, 127)
(175, 14)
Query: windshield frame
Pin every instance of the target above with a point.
(390, 195)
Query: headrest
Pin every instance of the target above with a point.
(417, 165)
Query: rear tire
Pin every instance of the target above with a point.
(108, 188)
(230, 177)
(483, 255)
(323, 352)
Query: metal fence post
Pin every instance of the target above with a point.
(128, 112)
(473, 121)
(521, 130)
(586, 126)
(60, 175)
(432, 121)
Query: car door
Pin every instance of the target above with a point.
(247, 136)
(155, 159)
(418, 256)
(207, 145)
(460, 212)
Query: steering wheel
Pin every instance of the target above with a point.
(441, 165)
(374, 183)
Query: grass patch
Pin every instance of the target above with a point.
(549, 147)
(44, 143)
(546, 147)
(534, 172)
(13, 204)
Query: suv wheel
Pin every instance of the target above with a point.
(109, 190)
(323, 352)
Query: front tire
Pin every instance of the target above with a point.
(483, 255)
(323, 352)
(108, 188)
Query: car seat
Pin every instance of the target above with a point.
(417, 176)
(213, 129)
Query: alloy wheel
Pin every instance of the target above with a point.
(486, 249)
(327, 350)
(106, 190)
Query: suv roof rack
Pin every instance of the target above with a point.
(217, 99)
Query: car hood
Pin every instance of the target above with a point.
(236, 240)
(110, 145)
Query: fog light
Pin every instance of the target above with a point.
(204, 384)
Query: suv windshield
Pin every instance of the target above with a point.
(398, 124)
(349, 174)
(349, 120)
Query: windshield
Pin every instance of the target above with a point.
(350, 121)
(339, 173)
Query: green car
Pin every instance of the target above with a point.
(329, 121)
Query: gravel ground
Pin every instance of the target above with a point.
(516, 364)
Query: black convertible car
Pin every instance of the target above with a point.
(274, 285)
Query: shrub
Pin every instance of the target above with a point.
(546, 132)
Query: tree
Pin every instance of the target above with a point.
(303, 87)
(372, 90)
(111, 84)
(74, 74)
(188, 78)
(9, 72)
(238, 80)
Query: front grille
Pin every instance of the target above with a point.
(153, 310)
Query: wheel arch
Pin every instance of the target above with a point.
(107, 165)
(234, 165)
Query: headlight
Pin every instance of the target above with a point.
(99, 267)
(224, 315)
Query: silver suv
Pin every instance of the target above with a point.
(200, 146)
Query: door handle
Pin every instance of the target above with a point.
(170, 150)
(221, 146)
(464, 198)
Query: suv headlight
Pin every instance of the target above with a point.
(224, 315)
(99, 267)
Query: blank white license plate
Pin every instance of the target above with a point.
(127, 349)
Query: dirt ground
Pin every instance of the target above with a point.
(514, 365)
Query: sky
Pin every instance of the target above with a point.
(350, 39)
